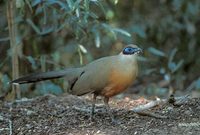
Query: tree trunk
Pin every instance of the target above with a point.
(12, 25)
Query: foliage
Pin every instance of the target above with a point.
(64, 33)
(168, 30)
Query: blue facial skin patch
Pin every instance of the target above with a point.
(130, 50)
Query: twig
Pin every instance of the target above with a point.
(149, 105)
(10, 127)
(24, 100)
(142, 108)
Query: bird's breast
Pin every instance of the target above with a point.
(119, 80)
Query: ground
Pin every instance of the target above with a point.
(70, 115)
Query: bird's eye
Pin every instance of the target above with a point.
(131, 50)
(128, 50)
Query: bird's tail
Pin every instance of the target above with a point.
(36, 77)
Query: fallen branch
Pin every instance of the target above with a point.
(141, 109)
(149, 105)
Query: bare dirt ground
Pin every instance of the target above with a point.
(60, 115)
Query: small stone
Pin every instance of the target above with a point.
(29, 112)
(169, 109)
(188, 112)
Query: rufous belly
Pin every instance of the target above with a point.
(118, 82)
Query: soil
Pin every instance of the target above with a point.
(70, 115)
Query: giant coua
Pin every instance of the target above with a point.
(107, 76)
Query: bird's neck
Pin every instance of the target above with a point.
(129, 64)
(128, 59)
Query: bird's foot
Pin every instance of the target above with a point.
(91, 117)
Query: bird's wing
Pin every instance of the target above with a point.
(94, 77)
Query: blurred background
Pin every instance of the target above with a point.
(55, 34)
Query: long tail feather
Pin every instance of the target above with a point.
(36, 77)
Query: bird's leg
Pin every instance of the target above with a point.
(106, 100)
(93, 105)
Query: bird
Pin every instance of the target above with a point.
(106, 77)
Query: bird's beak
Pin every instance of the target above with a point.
(138, 51)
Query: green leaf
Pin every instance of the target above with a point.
(141, 58)
(177, 4)
(180, 63)
(150, 71)
(110, 29)
(70, 4)
(35, 28)
(97, 39)
(56, 56)
(156, 51)
(116, 1)
(32, 61)
(57, 2)
(86, 5)
(172, 66)
(85, 18)
(198, 84)
(172, 54)
(109, 14)
(20, 3)
(139, 30)
(35, 2)
(190, 28)
(5, 79)
(162, 70)
(76, 4)
(44, 9)
(60, 27)
(39, 10)
(93, 15)
(29, 5)
(77, 13)
(82, 49)
(47, 30)
(121, 31)
(43, 63)
(192, 9)
(99, 4)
